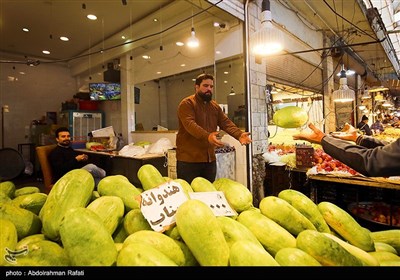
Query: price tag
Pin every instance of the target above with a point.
(216, 201)
(159, 205)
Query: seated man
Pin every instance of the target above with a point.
(64, 159)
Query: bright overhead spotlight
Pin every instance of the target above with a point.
(387, 104)
(232, 92)
(268, 40)
(343, 93)
(91, 17)
(193, 41)
(378, 89)
(349, 72)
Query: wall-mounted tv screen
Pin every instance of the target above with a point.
(105, 91)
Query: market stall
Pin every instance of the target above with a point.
(115, 164)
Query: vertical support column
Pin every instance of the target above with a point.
(359, 90)
(127, 98)
(257, 112)
(329, 104)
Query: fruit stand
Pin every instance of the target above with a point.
(379, 195)
(327, 179)
(115, 164)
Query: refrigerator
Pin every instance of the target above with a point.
(81, 123)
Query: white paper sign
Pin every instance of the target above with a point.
(104, 132)
(216, 201)
(159, 205)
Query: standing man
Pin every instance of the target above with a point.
(199, 119)
(64, 159)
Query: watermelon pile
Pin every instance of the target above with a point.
(79, 225)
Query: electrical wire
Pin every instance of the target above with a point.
(349, 22)
(37, 62)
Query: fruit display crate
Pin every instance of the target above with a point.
(376, 213)
(279, 177)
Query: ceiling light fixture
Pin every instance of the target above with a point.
(91, 17)
(343, 93)
(387, 104)
(193, 41)
(33, 62)
(232, 92)
(349, 72)
(377, 89)
(268, 40)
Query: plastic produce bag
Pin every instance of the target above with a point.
(160, 147)
(132, 150)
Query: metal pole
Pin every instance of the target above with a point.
(2, 127)
(4, 109)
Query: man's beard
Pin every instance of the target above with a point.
(205, 97)
(65, 143)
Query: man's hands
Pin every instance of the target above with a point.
(81, 157)
(245, 138)
(348, 133)
(315, 136)
(214, 139)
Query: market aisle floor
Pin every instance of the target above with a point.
(25, 180)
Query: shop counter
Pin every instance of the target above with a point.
(115, 164)
(344, 191)
(374, 202)
(279, 177)
(358, 180)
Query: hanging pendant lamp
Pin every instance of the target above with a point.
(343, 93)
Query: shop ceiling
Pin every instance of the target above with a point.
(345, 21)
(360, 35)
(47, 20)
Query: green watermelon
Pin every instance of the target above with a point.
(290, 117)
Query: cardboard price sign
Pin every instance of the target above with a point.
(216, 201)
(159, 205)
